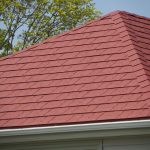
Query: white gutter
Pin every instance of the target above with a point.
(77, 128)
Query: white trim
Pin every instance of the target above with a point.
(77, 128)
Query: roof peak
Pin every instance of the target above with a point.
(124, 12)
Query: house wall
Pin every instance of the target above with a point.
(119, 143)
(127, 143)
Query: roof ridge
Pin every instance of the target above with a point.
(53, 37)
(127, 13)
(21, 51)
(74, 29)
(133, 56)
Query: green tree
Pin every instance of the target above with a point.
(4, 44)
(38, 19)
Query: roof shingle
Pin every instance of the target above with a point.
(97, 72)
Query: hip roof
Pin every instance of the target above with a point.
(95, 73)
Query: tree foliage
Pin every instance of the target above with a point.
(38, 19)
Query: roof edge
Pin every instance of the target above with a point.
(75, 132)
(77, 128)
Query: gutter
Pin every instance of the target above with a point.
(90, 127)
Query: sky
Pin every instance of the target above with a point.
(141, 7)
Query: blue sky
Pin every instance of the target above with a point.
(141, 7)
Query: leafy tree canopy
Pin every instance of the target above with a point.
(34, 20)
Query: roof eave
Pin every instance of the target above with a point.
(95, 130)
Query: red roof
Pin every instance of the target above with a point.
(95, 73)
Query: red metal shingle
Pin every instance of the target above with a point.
(98, 72)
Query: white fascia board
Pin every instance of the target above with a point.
(119, 125)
